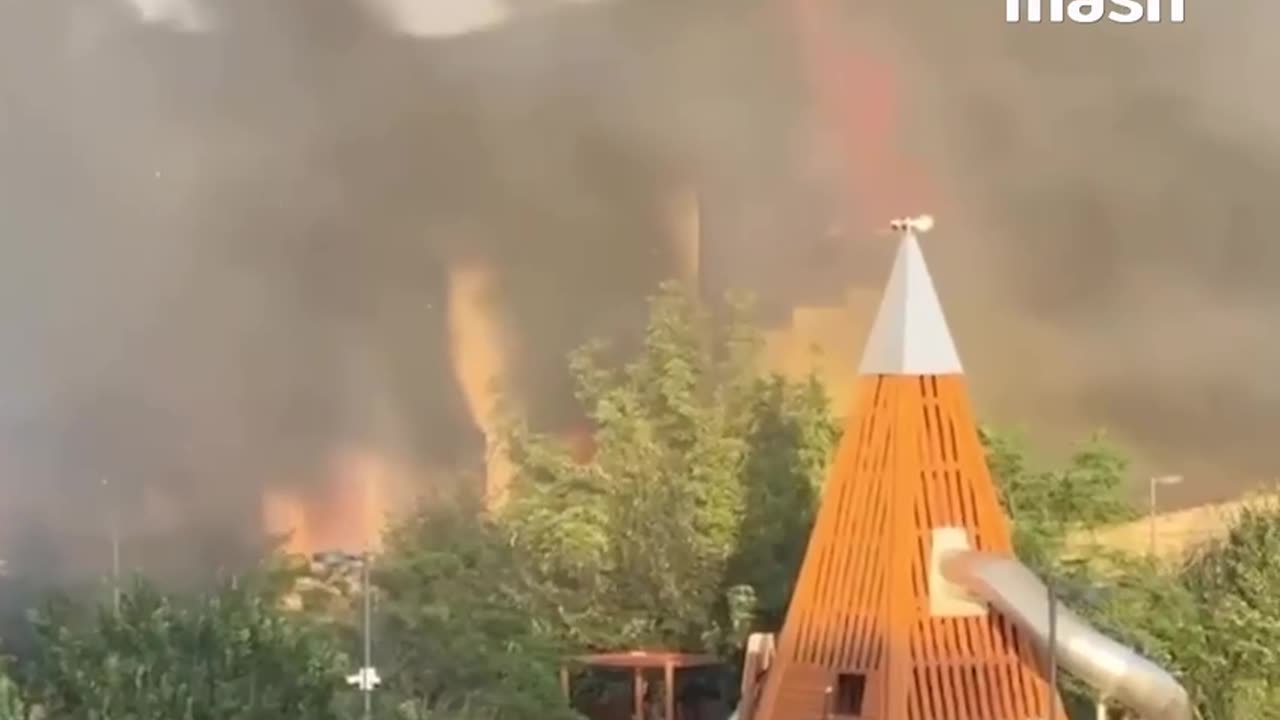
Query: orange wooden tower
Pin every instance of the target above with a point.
(873, 631)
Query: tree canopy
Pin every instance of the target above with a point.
(230, 654)
(700, 489)
(1234, 588)
(12, 706)
(463, 637)
(1212, 619)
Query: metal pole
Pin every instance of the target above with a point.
(113, 528)
(115, 565)
(1053, 651)
(368, 635)
(1155, 483)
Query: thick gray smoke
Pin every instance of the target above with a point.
(224, 237)
(1117, 265)
(202, 214)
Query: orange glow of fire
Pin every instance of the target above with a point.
(580, 443)
(347, 512)
(856, 92)
(475, 342)
(825, 340)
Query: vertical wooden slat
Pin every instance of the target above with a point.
(902, 550)
(844, 590)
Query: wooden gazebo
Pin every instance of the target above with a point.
(641, 665)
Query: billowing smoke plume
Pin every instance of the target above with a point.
(197, 227)
(1110, 249)
(227, 256)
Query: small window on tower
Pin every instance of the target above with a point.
(850, 688)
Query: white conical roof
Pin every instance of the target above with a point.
(910, 334)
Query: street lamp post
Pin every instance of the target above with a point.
(114, 529)
(1155, 483)
(366, 680)
(368, 634)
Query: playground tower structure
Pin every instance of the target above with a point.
(874, 630)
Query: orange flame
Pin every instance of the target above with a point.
(284, 514)
(348, 513)
(857, 95)
(580, 443)
(478, 364)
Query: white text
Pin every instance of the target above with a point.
(1092, 11)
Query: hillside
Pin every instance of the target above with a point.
(1176, 533)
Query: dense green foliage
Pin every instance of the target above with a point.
(1235, 592)
(459, 633)
(684, 530)
(1214, 620)
(700, 489)
(229, 654)
(1049, 505)
(12, 706)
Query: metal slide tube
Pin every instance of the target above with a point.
(1115, 671)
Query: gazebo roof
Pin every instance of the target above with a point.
(644, 659)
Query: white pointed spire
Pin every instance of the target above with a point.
(910, 334)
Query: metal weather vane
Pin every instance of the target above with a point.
(914, 225)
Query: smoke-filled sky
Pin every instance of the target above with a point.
(1116, 183)
(226, 233)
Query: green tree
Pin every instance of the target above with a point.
(790, 442)
(1142, 605)
(1131, 600)
(1236, 585)
(1215, 623)
(461, 639)
(636, 547)
(1047, 506)
(230, 654)
(12, 706)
